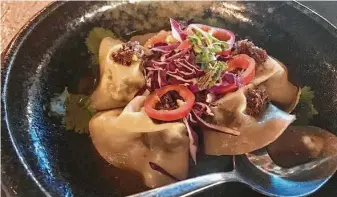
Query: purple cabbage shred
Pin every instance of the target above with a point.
(193, 140)
(156, 167)
(169, 65)
(177, 30)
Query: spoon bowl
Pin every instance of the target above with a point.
(272, 180)
(258, 171)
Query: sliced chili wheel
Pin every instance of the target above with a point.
(169, 115)
(241, 61)
(160, 37)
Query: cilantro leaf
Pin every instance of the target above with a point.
(305, 110)
(95, 36)
(307, 94)
(78, 113)
(74, 110)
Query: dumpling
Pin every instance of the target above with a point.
(255, 133)
(273, 76)
(118, 84)
(129, 139)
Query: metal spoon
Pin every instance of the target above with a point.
(258, 171)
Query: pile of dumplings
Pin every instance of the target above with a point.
(128, 138)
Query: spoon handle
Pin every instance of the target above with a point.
(190, 186)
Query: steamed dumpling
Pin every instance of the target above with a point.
(273, 76)
(255, 133)
(118, 84)
(129, 139)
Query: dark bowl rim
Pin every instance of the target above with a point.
(8, 56)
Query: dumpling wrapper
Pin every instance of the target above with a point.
(129, 139)
(254, 133)
(118, 84)
(273, 76)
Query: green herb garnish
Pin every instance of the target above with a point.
(78, 113)
(216, 67)
(206, 46)
(95, 36)
(74, 109)
(305, 110)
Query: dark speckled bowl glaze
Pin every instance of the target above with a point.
(40, 158)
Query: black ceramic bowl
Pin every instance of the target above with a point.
(40, 158)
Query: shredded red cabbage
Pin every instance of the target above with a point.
(162, 170)
(168, 65)
(214, 127)
(190, 119)
(194, 88)
(165, 48)
(177, 31)
(193, 140)
(202, 108)
(226, 79)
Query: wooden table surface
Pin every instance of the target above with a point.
(14, 14)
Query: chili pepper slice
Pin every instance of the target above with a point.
(184, 108)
